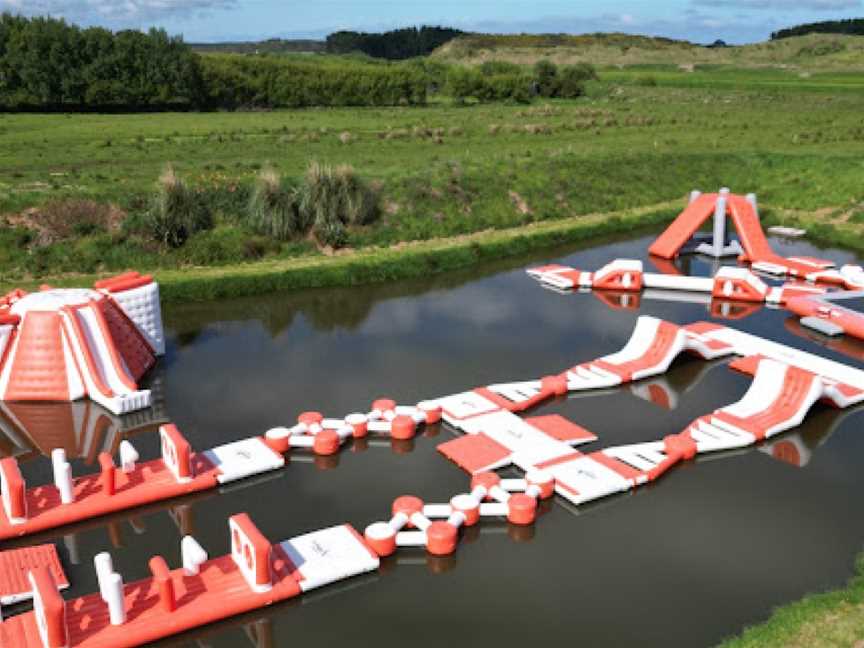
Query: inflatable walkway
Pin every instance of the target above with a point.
(257, 573)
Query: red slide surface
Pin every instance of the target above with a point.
(682, 229)
(750, 233)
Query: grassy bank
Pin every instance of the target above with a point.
(817, 621)
(443, 170)
(411, 260)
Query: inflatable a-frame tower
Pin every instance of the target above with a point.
(682, 235)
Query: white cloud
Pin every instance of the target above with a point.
(796, 5)
(115, 12)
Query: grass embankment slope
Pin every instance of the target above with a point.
(827, 620)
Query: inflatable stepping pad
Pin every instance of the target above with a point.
(15, 564)
(562, 429)
(475, 453)
(326, 556)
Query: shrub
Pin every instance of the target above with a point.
(572, 81)
(177, 212)
(546, 78)
(463, 82)
(225, 244)
(493, 68)
(507, 87)
(580, 72)
(64, 219)
(331, 233)
(273, 208)
(333, 198)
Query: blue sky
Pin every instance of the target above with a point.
(736, 21)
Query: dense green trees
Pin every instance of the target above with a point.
(853, 26)
(233, 81)
(396, 44)
(502, 81)
(47, 63)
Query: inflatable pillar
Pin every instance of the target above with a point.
(176, 452)
(720, 223)
(164, 583)
(251, 552)
(14, 491)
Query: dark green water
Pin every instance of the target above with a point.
(710, 548)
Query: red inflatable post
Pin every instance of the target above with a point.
(107, 470)
(14, 491)
(164, 582)
(176, 452)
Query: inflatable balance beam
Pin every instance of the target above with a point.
(730, 283)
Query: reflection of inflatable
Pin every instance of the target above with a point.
(80, 428)
(666, 390)
(64, 344)
(786, 383)
(850, 347)
(797, 447)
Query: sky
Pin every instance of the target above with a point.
(735, 21)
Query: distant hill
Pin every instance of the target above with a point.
(270, 46)
(852, 26)
(816, 51)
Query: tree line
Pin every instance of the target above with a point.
(394, 45)
(852, 26)
(45, 63)
(48, 64)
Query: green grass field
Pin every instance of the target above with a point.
(444, 170)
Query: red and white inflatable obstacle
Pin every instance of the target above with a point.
(64, 344)
(624, 276)
(254, 575)
(787, 382)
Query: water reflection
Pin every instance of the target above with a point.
(82, 428)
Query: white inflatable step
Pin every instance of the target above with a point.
(329, 555)
(243, 459)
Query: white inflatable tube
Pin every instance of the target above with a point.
(411, 539)
(494, 509)
(672, 282)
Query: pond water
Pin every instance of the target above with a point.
(708, 549)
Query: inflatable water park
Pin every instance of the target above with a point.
(827, 299)
(85, 352)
